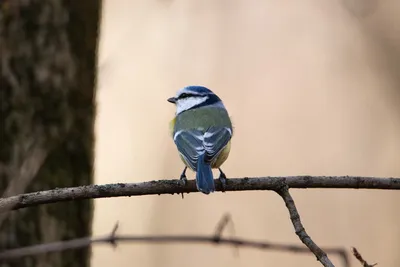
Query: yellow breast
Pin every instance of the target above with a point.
(171, 126)
(221, 158)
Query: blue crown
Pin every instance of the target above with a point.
(199, 89)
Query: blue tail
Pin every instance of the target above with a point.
(204, 177)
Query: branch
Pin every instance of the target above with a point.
(113, 239)
(299, 228)
(360, 258)
(222, 225)
(175, 187)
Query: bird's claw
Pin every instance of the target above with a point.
(222, 179)
(183, 177)
(183, 180)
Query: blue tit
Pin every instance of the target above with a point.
(202, 132)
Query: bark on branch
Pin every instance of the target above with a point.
(299, 228)
(280, 185)
(363, 262)
(175, 187)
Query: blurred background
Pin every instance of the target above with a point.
(312, 87)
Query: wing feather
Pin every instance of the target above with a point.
(215, 139)
(190, 145)
(193, 143)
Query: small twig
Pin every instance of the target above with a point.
(113, 235)
(300, 231)
(221, 226)
(175, 187)
(113, 239)
(360, 258)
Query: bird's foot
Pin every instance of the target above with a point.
(222, 179)
(183, 179)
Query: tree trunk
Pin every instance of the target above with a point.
(47, 80)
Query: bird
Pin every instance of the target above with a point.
(202, 132)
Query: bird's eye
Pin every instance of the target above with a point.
(184, 95)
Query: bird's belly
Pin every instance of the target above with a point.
(221, 158)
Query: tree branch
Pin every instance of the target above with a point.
(175, 187)
(360, 258)
(113, 239)
(222, 225)
(299, 228)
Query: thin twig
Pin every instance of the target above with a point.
(113, 239)
(360, 258)
(221, 226)
(113, 235)
(299, 228)
(176, 187)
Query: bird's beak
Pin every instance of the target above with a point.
(172, 100)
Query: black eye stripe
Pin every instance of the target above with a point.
(186, 95)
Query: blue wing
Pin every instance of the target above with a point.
(215, 139)
(193, 143)
(190, 145)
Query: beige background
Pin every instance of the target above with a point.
(311, 87)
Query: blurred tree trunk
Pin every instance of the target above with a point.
(47, 80)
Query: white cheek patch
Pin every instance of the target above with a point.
(187, 103)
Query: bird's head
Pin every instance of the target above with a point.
(191, 97)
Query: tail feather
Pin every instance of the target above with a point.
(204, 176)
